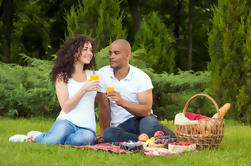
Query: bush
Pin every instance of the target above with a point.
(27, 91)
(171, 92)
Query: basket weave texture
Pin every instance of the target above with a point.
(208, 133)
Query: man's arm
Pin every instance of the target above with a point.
(104, 112)
(142, 109)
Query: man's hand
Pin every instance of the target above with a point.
(116, 98)
(141, 109)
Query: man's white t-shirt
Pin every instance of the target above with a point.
(135, 82)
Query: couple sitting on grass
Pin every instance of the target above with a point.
(124, 113)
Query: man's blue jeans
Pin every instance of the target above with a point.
(131, 128)
(65, 132)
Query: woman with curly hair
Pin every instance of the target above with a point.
(76, 124)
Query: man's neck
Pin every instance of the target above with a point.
(121, 72)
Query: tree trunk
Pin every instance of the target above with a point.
(9, 26)
(133, 6)
(1, 8)
(177, 19)
(190, 39)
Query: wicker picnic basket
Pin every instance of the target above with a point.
(208, 133)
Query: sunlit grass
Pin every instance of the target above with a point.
(234, 149)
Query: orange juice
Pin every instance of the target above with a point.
(94, 77)
(108, 89)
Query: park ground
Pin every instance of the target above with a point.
(234, 149)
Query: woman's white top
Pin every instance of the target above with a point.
(82, 115)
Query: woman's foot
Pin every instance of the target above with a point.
(32, 135)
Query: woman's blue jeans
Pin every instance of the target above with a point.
(65, 132)
(131, 128)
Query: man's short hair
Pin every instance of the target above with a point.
(124, 42)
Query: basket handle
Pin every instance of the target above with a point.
(201, 94)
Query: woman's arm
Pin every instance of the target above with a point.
(66, 103)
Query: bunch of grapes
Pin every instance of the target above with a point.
(164, 139)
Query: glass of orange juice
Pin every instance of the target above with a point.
(108, 89)
(94, 77)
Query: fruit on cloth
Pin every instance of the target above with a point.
(143, 137)
(151, 140)
(158, 133)
(164, 139)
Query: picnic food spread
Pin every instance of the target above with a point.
(164, 143)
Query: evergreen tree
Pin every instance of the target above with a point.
(228, 50)
(157, 41)
(27, 30)
(244, 96)
(100, 19)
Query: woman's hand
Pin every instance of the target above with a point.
(91, 85)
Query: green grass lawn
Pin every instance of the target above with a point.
(234, 149)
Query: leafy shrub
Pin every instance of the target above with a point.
(171, 92)
(27, 91)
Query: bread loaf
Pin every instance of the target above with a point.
(223, 110)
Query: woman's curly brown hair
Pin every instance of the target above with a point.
(63, 66)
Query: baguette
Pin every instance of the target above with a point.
(223, 110)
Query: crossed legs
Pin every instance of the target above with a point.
(131, 128)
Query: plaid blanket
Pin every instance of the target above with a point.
(116, 149)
